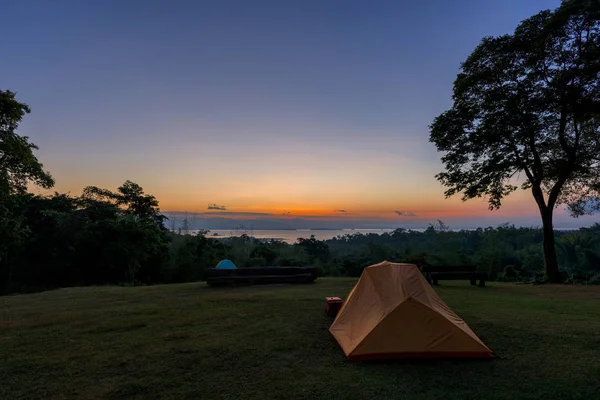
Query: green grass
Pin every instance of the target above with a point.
(190, 341)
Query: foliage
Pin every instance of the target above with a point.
(498, 251)
(315, 249)
(76, 241)
(50, 241)
(67, 241)
(18, 164)
(529, 103)
(18, 167)
(132, 198)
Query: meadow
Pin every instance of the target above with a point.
(191, 341)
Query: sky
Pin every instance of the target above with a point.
(286, 111)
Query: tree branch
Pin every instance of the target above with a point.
(562, 128)
(538, 195)
(537, 162)
(555, 191)
(522, 164)
(577, 135)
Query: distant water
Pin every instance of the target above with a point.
(290, 236)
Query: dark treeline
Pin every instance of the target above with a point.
(506, 252)
(104, 237)
(101, 237)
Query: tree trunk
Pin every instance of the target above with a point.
(550, 260)
(5, 273)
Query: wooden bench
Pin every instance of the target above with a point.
(435, 273)
(260, 275)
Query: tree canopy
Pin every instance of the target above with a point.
(18, 164)
(131, 197)
(526, 113)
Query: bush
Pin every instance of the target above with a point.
(594, 280)
(510, 274)
(256, 262)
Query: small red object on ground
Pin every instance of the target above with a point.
(333, 306)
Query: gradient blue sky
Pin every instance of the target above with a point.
(292, 109)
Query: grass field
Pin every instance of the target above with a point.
(190, 341)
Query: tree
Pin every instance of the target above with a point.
(438, 226)
(529, 103)
(124, 233)
(316, 249)
(18, 167)
(18, 164)
(131, 197)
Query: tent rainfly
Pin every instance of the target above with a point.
(226, 264)
(392, 312)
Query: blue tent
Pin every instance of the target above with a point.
(226, 264)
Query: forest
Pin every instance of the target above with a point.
(120, 238)
(507, 253)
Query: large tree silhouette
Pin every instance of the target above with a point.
(526, 111)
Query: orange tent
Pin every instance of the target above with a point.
(392, 312)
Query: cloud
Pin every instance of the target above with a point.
(341, 211)
(217, 207)
(405, 213)
(237, 214)
(286, 213)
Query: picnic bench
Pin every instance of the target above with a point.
(260, 275)
(435, 273)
